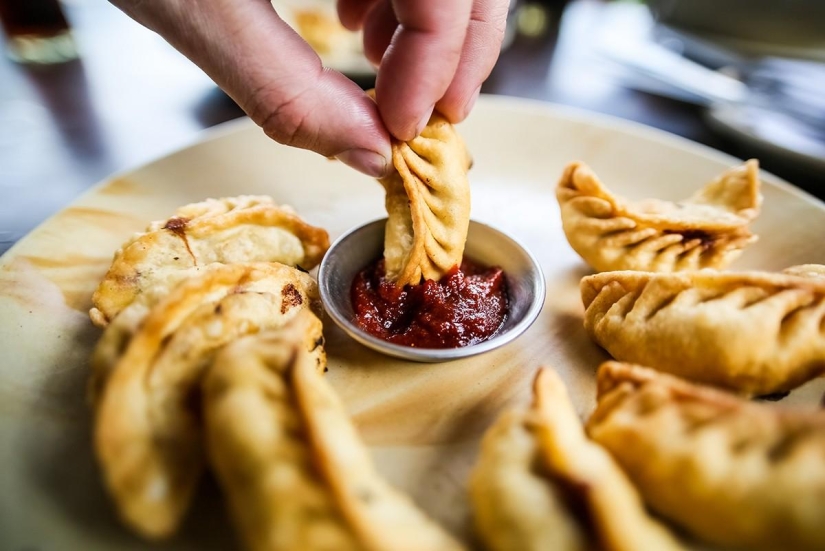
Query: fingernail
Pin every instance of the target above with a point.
(366, 161)
(471, 102)
(424, 120)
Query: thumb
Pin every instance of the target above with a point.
(274, 76)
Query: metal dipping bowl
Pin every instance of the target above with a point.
(356, 249)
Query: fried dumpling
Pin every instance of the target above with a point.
(294, 470)
(753, 332)
(732, 472)
(428, 204)
(147, 432)
(541, 484)
(708, 230)
(229, 230)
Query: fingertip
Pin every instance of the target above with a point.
(404, 130)
(470, 103)
(424, 120)
(366, 161)
(456, 107)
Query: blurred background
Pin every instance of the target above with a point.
(85, 91)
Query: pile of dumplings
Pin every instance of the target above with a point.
(663, 301)
(212, 357)
(673, 429)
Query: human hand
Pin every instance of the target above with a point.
(431, 53)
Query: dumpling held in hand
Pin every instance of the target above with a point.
(428, 204)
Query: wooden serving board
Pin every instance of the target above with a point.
(422, 421)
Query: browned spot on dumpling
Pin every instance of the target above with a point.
(291, 297)
(318, 342)
(706, 239)
(177, 225)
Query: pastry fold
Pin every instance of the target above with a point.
(541, 484)
(229, 230)
(732, 472)
(753, 332)
(147, 433)
(295, 471)
(708, 230)
(428, 204)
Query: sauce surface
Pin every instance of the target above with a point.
(466, 306)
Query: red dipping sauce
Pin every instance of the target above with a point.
(467, 306)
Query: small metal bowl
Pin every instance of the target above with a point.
(356, 249)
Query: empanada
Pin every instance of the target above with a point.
(708, 230)
(428, 204)
(296, 473)
(540, 484)
(732, 472)
(147, 432)
(754, 332)
(229, 230)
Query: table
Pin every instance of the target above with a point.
(131, 97)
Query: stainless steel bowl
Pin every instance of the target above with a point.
(353, 251)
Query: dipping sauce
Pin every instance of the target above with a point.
(467, 306)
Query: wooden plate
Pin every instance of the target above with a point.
(423, 422)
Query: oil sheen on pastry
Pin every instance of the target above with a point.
(541, 484)
(428, 204)
(147, 433)
(294, 470)
(229, 230)
(708, 230)
(753, 332)
(732, 472)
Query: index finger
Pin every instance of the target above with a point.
(420, 62)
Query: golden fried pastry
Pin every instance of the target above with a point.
(229, 230)
(295, 471)
(117, 334)
(428, 204)
(754, 332)
(541, 484)
(732, 472)
(147, 433)
(708, 230)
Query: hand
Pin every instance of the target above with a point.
(431, 53)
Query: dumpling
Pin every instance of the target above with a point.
(229, 230)
(540, 484)
(753, 332)
(708, 230)
(428, 204)
(147, 432)
(294, 470)
(117, 334)
(732, 472)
